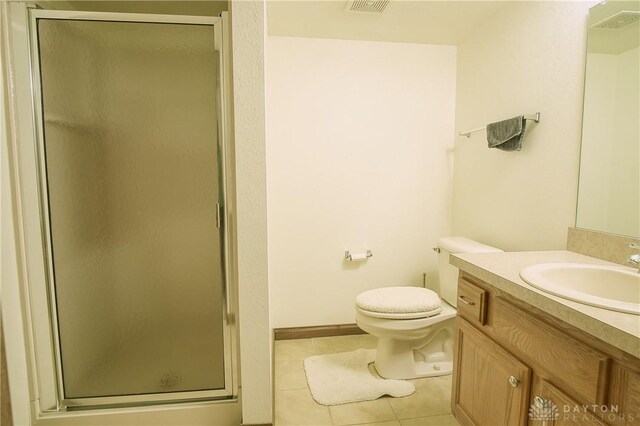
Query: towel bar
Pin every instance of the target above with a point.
(535, 117)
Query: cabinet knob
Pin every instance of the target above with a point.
(513, 381)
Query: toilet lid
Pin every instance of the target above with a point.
(399, 300)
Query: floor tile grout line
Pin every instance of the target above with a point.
(392, 410)
(331, 416)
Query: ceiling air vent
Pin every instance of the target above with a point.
(367, 6)
(619, 20)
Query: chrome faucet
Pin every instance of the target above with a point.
(634, 259)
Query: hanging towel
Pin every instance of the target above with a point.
(507, 135)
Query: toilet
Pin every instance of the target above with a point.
(414, 325)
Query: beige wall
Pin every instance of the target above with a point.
(359, 143)
(528, 58)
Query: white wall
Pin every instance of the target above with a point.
(528, 58)
(10, 273)
(609, 175)
(359, 141)
(248, 31)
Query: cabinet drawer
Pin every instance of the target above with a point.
(581, 369)
(472, 302)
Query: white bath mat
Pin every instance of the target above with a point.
(345, 377)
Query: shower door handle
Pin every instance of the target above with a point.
(218, 216)
(225, 278)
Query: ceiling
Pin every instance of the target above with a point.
(407, 21)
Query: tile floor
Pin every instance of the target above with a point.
(428, 406)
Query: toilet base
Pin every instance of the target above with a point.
(398, 359)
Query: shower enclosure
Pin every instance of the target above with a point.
(130, 128)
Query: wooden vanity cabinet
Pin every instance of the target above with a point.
(486, 373)
(515, 365)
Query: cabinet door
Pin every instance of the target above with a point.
(552, 407)
(491, 387)
(624, 396)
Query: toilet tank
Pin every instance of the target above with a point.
(449, 273)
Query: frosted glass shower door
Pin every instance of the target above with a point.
(131, 164)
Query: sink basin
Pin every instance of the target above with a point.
(616, 288)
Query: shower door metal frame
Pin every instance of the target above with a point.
(227, 301)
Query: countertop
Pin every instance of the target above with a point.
(502, 270)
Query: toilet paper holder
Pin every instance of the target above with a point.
(358, 256)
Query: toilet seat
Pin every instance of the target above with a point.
(405, 316)
(399, 303)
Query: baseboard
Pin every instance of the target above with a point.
(316, 331)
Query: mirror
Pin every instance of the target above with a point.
(609, 185)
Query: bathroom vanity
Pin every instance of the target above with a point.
(525, 357)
